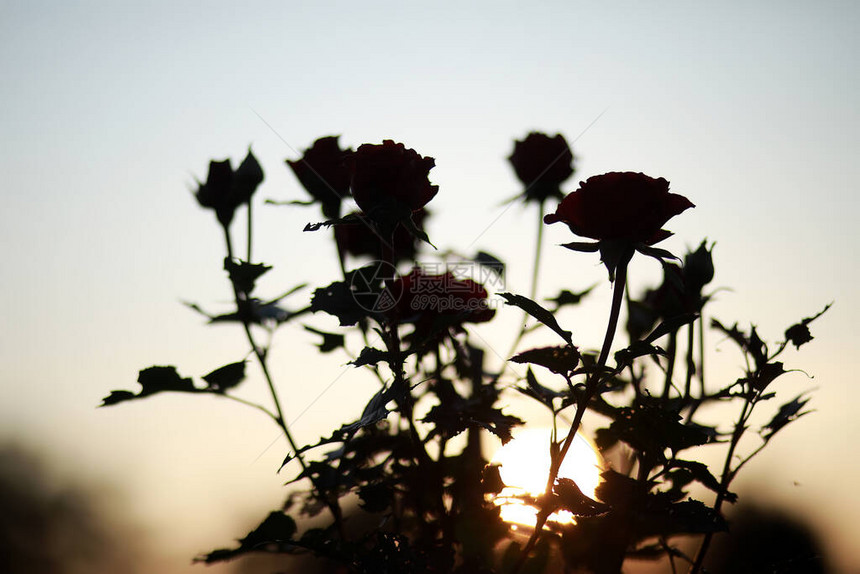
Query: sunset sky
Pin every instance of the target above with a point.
(111, 110)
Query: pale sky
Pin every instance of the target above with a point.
(110, 110)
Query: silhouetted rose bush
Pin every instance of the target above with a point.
(405, 486)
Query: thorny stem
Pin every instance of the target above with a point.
(280, 419)
(592, 385)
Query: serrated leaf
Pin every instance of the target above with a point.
(538, 313)
(153, 380)
(358, 296)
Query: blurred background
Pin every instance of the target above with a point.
(111, 110)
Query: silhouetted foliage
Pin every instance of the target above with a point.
(405, 486)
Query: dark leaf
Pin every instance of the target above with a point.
(799, 333)
(346, 303)
(663, 518)
(409, 224)
(637, 349)
(651, 428)
(348, 219)
(158, 379)
(655, 252)
(374, 412)
(455, 415)
(491, 479)
(670, 326)
(787, 413)
(375, 497)
(572, 499)
(538, 313)
(153, 380)
(561, 360)
(700, 472)
(566, 297)
(226, 377)
(117, 397)
(539, 392)
(582, 246)
(492, 263)
(275, 533)
(243, 274)
(370, 356)
(751, 344)
(766, 375)
(330, 342)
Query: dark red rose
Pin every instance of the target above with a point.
(390, 173)
(542, 163)
(623, 206)
(323, 172)
(364, 239)
(225, 189)
(425, 299)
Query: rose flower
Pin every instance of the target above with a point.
(389, 181)
(323, 172)
(542, 163)
(623, 206)
(435, 302)
(225, 189)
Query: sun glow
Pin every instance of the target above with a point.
(524, 468)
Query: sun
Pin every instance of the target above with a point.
(524, 468)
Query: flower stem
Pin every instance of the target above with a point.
(726, 479)
(250, 229)
(538, 249)
(592, 385)
(532, 288)
(243, 310)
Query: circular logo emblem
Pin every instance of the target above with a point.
(373, 288)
